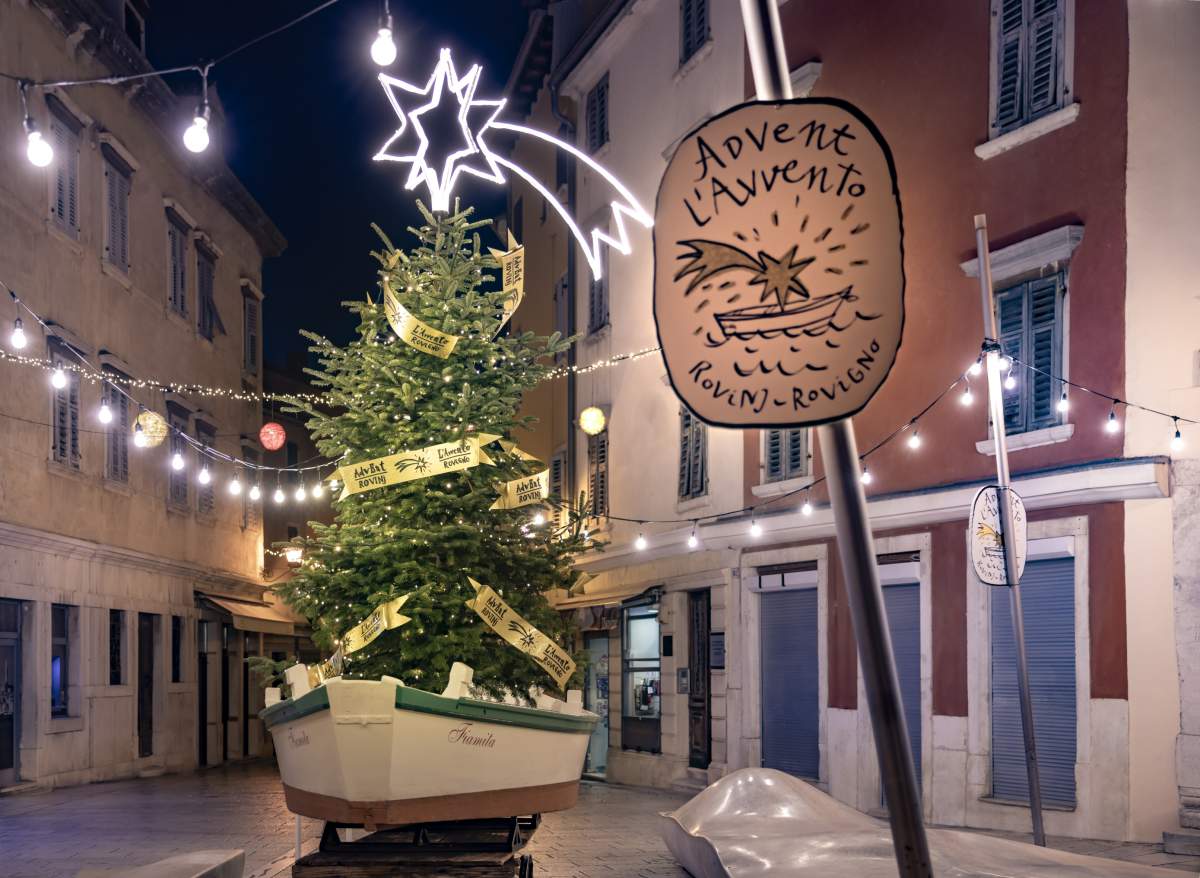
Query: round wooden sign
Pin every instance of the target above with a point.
(987, 542)
(778, 264)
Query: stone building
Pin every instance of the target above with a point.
(725, 625)
(130, 591)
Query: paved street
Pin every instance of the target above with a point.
(611, 834)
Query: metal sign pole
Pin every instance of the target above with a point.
(996, 407)
(768, 60)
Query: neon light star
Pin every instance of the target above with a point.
(475, 118)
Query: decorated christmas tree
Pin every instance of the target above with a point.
(434, 497)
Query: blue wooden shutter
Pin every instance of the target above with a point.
(903, 606)
(117, 436)
(1010, 39)
(773, 454)
(250, 334)
(597, 114)
(1012, 321)
(1043, 61)
(1045, 350)
(1048, 596)
(693, 27)
(177, 480)
(796, 453)
(598, 474)
(791, 709)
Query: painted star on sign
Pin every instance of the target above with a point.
(474, 116)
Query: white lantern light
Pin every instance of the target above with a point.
(866, 477)
(293, 554)
(139, 436)
(278, 496)
(806, 509)
(196, 137)
(205, 476)
(640, 542)
(17, 339)
(693, 540)
(538, 519)
(38, 149)
(58, 379)
(255, 492)
(755, 529)
(300, 493)
(383, 50)
(235, 487)
(317, 490)
(105, 414)
(592, 420)
(177, 461)
(914, 441)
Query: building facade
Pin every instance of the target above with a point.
(130, 591)
(727, 633)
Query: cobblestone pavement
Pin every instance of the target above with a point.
(612, 833)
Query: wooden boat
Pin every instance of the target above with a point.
(808, 317)
(378, 753)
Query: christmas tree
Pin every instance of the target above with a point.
(426, 536)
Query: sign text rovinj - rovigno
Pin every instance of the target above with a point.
(779, 283)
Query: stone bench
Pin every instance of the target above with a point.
(197, 864)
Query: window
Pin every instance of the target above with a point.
(118, 181)
(517, 223)
(206, 434)
(64, 137)
(60, 658)
(1029, 317)
(135, 27)
(558, 465)
(693, 27)
(177, 480)
(251, 510)
(598, 297)
(560, 315)
(116, 637)
(116, 433)
(641, 689)
(693, 454)
(250, 309)
(177, 238)
(66, 410)
(597, 115)
(208, 319)
(176, 649)
(785, 454)
(598, 475)
(1028, 54)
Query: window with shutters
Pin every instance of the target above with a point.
(785, 454)
(65, 415)
(597, 500)
(598, 296)
(177, 250)
(118, 182)
(693, 27)
(560, 315)
(693, 456)
(1028, 53)
(206, 434)
(558, 466)
(250, 311)
(251, 509)
(65, 131)
(1029, 318)
(116, 433)
(597, 115)
(208, 320)
(177, 479)
(116, 652)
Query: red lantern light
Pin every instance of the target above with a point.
(272, 436)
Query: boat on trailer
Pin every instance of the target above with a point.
(378, 753)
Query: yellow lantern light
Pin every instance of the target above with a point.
(592, 420)
(154, 429)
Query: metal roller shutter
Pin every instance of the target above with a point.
(1048, 598)
(790, 693)
(903, 606)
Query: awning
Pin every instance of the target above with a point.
(262, 618)
(610, 597)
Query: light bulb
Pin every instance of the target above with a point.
(806, 509)
(975, 368)
(383, 50)
(39, 150)
(58, 380)
(105, 414)
(177, 461)
(866, 478)
(235, 487)
(205, 476)
(1177, 439)
(538, 519)
(317, 490)
(1112, 425)
(139, 436)
(1010, 382)
(255, 492)
(967, 397)
(755, 529)
(195, 138)
(1063, 405)
(1005, 363)
(914, 441)
(333, 484)
(693, 540)
(278, 496)
(17, 339)
(640, 542)
(584, 533)
(300, 493)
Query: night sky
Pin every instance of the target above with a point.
(304, 115)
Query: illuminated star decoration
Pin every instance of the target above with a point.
(475, 118)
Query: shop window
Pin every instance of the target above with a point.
(641, 698)
(60, 658)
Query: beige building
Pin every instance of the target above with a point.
(129, 591)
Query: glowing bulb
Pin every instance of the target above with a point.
(592, 420)
(105, 414)
(177, 461)
(976, 368)
(640, 542)
(967, 397)
(383, 50)
(255, 492)
(538, 519)
(1177, 439)
(278, 496)
(195, 138)
(806, 509)
(293, 554)
(755, 529)
(1063, 405)
(914, 441)
(17, 339)
(235, 487)
(317, 490)
(58, 380)
(866, 478)
(584, 533)
(1112, 425)
(1005, 363)
(205, 476)
(333, 484)
(39, 151)
(693, 540)
(139, 436)
(1010, 382)
(300, 493)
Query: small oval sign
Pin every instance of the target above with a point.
(779, 264)
(987, 541)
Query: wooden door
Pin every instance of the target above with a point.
(10, 689)
(145, 678)
(699, 703)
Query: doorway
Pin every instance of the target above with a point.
(699, 703)
(791, 686)
(902, 603)
(202, 693)
(595, 695)
(10, 689)
(145, 678)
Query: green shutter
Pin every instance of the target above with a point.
(1045, 350)
(1013, 320)
(1042, 63)
(685, 453)
(1009, 56)
(773, 452)
(796, 453)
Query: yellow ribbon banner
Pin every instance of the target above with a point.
(415, 332)
(421, 463)
(523, 491)
(385, 617)
(512, 276)
(502, 619)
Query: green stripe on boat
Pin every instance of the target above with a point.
(455, 708)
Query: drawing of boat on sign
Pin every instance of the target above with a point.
(786, 305)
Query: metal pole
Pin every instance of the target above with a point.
(996, 408)
(839, 452)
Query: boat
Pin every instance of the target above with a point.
(803, 317)
(378, 753)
